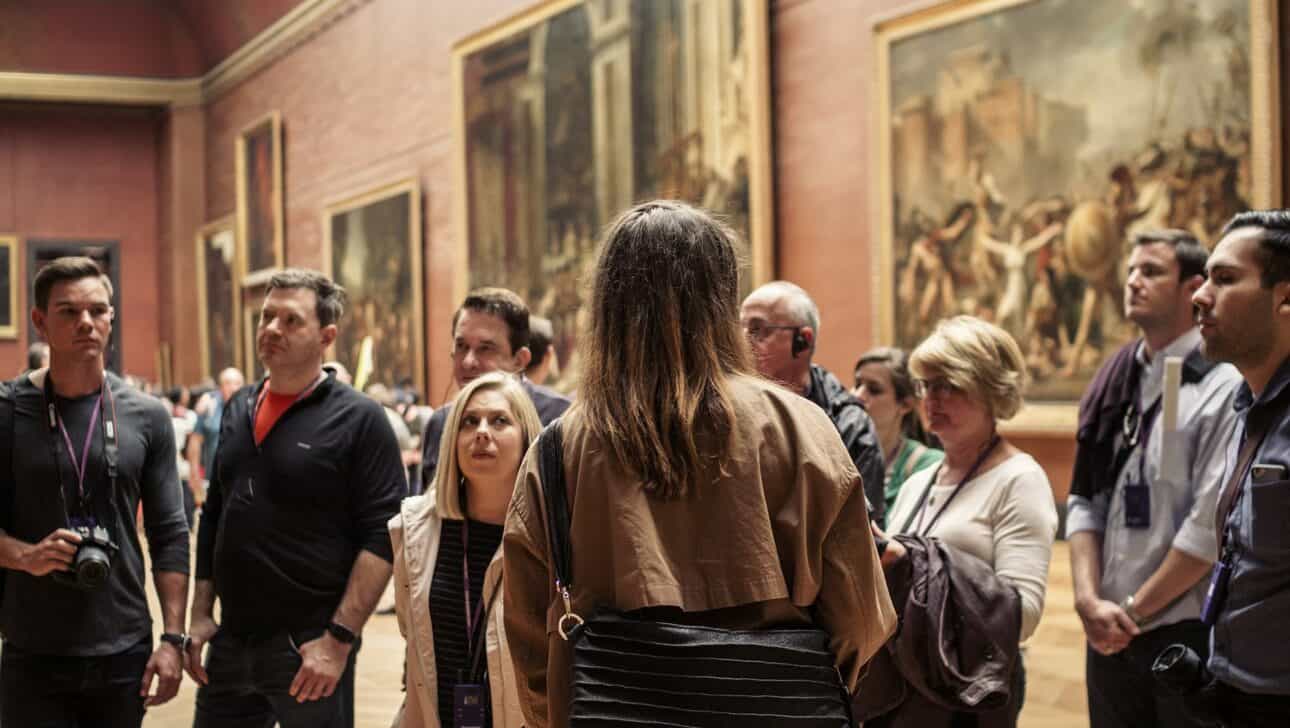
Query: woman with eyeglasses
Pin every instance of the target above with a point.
(987, 498)
(448, 564)
(885, 387)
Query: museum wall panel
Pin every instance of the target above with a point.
(121, 38)
(86, 173)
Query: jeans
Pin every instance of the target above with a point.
(249, 679)
(57, 691)
(1122, 693)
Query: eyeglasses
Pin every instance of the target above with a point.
(939, 386)
(758, 331)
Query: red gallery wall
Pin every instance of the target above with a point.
(368, 100)
(74, 172)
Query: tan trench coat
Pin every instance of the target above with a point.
(415, 536)
(781, 537)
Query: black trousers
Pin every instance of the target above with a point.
(1121, 690)
(249, 679)
(55, 691)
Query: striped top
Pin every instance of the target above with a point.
(447, 603)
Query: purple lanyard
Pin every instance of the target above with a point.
(79, 468)
(471, 620)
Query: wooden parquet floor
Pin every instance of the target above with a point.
(1054, 662)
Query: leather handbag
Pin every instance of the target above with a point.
(633, 671)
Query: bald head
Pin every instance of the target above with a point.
(782, 323)
(230, 380)
(793, 301)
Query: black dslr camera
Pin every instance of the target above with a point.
(93, 560)
(1182, 672)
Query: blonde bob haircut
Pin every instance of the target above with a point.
(448, 476)
(976, 357)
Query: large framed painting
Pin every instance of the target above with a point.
(372, 247)
(260, 226)
(217, 291)
(9, 312)
(574, 110)
(251, 301)
(1022, 145)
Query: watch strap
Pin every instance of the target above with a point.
(343, 634)
(180, 641)
(1129, 605)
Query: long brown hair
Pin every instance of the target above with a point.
(663, 342)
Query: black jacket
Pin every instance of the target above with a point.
(285, 520)
(958, 646)
(857, 432)
(549, 404)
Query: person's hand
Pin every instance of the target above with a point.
(323, 662)
(895, 550)
(55, 552)
(200, 632)
(1108, 628)
(166, 666)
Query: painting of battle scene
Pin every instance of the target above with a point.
(373, 245)
(574, 111)
(1027, 142)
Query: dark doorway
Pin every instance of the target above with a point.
(107, 253)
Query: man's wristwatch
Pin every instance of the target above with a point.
(341, 633)
(1128, 605)
(180, 641)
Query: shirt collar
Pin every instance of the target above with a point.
(1245, 397)
(1180, 347)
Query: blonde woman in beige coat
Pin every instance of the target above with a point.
(455, 530)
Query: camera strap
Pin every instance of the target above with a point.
(110, 451)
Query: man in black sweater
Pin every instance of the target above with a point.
(293, 537)
(81, 452)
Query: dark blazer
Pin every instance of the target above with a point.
(957, 649)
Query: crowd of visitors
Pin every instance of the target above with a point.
(712, 530)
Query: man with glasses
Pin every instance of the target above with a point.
(783, 325)
(490, 333)
(1141, 510)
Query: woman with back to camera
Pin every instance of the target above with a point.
(455, 530)
(987, 499)
(885, 387)
(698, 492)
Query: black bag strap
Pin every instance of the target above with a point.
(555, 493)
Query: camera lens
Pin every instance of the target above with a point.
(92, 566)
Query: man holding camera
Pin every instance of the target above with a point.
(1140, 515)
(79, 452)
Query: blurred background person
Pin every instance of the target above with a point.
(37, 356)
(545, 363)
(454, 630)
(886, 389)
(209, 411)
